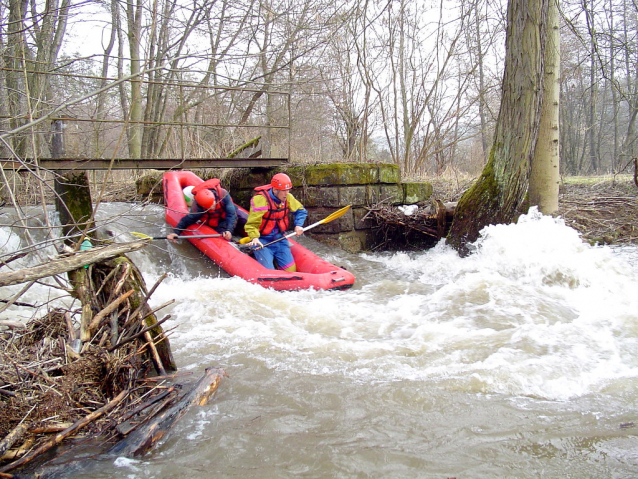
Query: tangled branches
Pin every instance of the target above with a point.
(413, 226)
(90, 369)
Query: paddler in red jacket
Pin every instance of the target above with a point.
(268, 220)
(212, 206)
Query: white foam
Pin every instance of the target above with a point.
(533, 311)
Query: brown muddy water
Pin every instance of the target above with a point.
(519, 361)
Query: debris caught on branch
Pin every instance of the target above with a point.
(404, 228)
(59, 377)
(67, 263)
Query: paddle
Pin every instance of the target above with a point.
(327, 219)
(143, 236)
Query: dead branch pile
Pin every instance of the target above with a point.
(90, 370)
(422, 227)
(605, 213)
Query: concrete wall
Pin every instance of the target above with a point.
(325, 188)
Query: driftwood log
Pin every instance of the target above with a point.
(68, 263)
(145, 437)
(249, 144)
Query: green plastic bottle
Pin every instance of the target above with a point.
(86, 244)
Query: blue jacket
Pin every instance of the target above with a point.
(227, 223)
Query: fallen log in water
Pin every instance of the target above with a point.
(144, 438)
(67, 263)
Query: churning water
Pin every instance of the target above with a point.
(518, 361)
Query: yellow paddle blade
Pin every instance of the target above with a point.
(335, 215)
(141, 235)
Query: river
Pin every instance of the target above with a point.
(518, 361)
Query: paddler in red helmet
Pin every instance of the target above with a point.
(268, 220)
(212, 206)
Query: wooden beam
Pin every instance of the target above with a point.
(141, 164)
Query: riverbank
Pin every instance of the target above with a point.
(603, 209)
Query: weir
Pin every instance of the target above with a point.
(324, 189)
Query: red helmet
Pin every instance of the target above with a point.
(281, 181)
(206, 199)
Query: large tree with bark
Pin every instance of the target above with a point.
(496, 197)
(545, 172)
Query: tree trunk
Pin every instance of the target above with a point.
(73, 193)
(497, 195)
(482, 87)
(134, 19)
(14, 55)
(593, 56)
(545, 174)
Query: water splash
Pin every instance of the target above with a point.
(533, 311)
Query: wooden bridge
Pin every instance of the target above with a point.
(67, 164)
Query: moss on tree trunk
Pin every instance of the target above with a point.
(73, 202)
(497, 195)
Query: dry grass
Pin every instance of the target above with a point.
(603, 209)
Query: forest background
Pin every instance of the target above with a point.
(415, 83)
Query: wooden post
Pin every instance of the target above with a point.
(73, 194)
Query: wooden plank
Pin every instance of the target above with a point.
(141, 164)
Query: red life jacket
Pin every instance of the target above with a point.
(277, 215)
(212, 217)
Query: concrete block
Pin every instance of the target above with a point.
(344, 223)
(389, 194)
(314, 197)
(335, 174)
(352, 195)
(416, 192)
(393, 193)
(359, 222)
(249, 180)
(389, 173)
(150, 184)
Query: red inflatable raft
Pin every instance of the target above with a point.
(312, 271)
